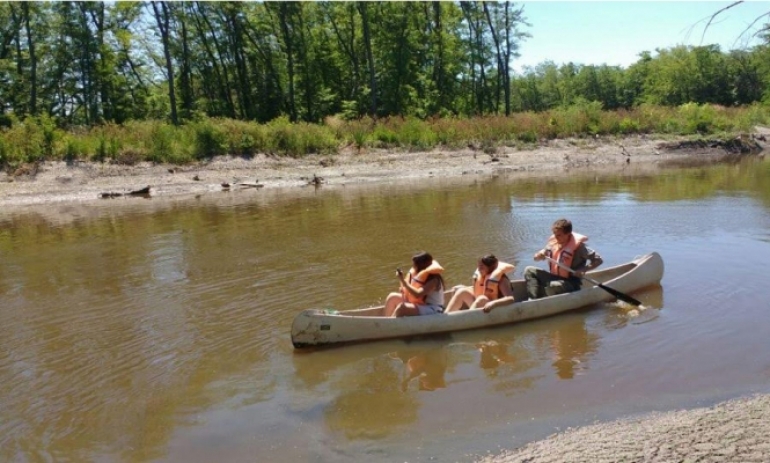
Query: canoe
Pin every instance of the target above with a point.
(314, 327)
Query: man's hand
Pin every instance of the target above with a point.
(539, 255)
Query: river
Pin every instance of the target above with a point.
(144, 330)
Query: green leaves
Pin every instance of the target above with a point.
(88, 63)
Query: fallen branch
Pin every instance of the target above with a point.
(144, 192)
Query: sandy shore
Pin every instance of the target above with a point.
(57, 182)
(734, 431)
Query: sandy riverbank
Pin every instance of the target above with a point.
(57, 182)
(734, 431)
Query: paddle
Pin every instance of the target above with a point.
(622, 296)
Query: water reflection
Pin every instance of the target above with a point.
(427, 366)
(493, 354)
(369, 406)
(379, 391)
(571, 346)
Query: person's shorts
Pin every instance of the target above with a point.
(425, 309)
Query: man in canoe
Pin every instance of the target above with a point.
(570, 250)
(421, 291)
(491, 287)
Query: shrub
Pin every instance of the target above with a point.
(696, 118)
(49, 134)
(160, 146)
(415, 133)
(527, 137)
(356, 132)
(299, 139)
(628, 126)
(312, 139)
(75, 148)
(3, 152)
(385, 136)
(210, 140)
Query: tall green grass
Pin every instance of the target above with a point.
(34, 139)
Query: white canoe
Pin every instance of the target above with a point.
(314, 327)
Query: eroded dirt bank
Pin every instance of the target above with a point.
(56, 182)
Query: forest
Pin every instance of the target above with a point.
(179, 81)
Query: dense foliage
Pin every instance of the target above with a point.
(84, 63)
(230, 76)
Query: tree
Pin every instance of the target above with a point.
(162, 14)
(503, 22)
(363, 10)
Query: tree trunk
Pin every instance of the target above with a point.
(507, 60)
(32, 61)
(500, 70)
(348, 45)
(185, 78)
(362, 10)
(102, 72)
(288, 41)
(222, 87)
(438, 72)
(163, 20)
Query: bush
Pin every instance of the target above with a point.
(356, 132)
(385, 137)
(527, 137)
(696, 118)
(49, 135)
(415, 133)
(74, 148)
(210, 141)
(160, 146)
(315, 138)
(299, 139)
(34, 139)
(628, 126)
(3, 153)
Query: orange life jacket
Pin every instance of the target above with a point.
(563, 254)
(418, 280)
(490, 285)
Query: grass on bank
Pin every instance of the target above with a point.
(38, 138)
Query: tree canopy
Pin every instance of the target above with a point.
(87, 63)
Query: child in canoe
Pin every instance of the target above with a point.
(421, 291)
(491, 287)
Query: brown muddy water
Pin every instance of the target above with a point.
(156, 330)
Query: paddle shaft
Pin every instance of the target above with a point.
(622, 296)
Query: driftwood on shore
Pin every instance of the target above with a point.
(143, 192)
(250, 184)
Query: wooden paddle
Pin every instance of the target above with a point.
(622, 296)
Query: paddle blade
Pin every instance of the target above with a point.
(622, 296)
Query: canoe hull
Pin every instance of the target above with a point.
(314, 327)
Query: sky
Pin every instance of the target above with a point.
(615, 32)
